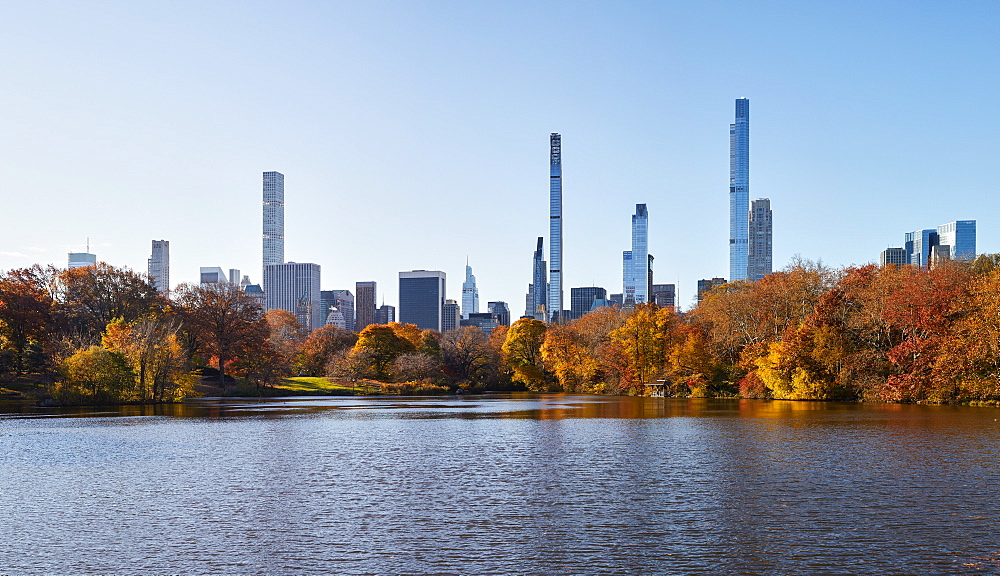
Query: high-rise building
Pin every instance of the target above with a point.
(555, 299)
(257, 293)
(665, 295)
(385, 314)
(535, 302)
(158, 266)
(274, 219)
(452, 317)
(895, 256)
(421, 298)
(212, 275)
(617, 300)
(294, 286)
(502, 312)
(739, 190)
(234, 276)
(760, 244)
(485, 321)
(81, 259)
(343, 301)
(335, 318)
(636, 262)
(960, 237)
(581, 300)
(364, 310)
(470, 294)
(706, 285)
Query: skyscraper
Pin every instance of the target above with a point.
(739, 190)
(421, 298)
(158, 266)
(294, 286)
(274, 219)
(555, 299)
(364, 310)
(664, 295)
(385, 314)
(759, 247)
(501, 310)
(960, 237)
(452, 315)
(581, 300)
(895, 256)
(539, 287)
(636, 262)
(470, 294)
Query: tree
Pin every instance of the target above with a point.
(522, 352)
(286, 335)
(153, 353)
(468, 355)
(322, 345)
(90, 297)
(381, 345)
(222, 320)
(25, 310)
(645, 337)
(96, 375)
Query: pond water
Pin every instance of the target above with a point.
(550, 484)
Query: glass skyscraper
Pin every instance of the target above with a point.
(555, 299)
(470, 294)
(739, 190)
(539, 288)
(635, 262)
(158, 266)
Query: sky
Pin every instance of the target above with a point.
(414, 135)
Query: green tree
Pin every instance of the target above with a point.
(96, 375)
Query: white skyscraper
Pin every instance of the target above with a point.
(294, 286)
(158, 266)
(274, 218)
(470, 294)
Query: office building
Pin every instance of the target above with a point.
(212, 275)
(158, 267)
(385, 314)
(535, 303)
(554, 302)
(581, 300)
(452, 317)
(342, 300)
(335, 318)
(81, 259)
(636, 262)
(665, 295)
(617, 300)
(294, 286)
(895, 256)
(960, 237)
(760, 242)
(274, 219)
(485, 321)
(706, 285)
(739, 190)
(470, 294)
(501, 311)
(364, 309)
(421, 298)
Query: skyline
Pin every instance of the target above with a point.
(419, 119)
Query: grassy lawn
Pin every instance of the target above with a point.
(306, 384)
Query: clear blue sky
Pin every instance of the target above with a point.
(414, 134)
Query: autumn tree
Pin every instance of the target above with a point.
(25, 311)
(285, 334)
(90, 297)
(381, 344)
(151, 348)
(522, 352)
(222, 320)
(469, 357)
(322, 345)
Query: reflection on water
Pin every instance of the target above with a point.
(549, 484)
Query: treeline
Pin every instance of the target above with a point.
(102, 334)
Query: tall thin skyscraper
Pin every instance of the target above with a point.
(739, 190)
(760, 243)
(158, 266)
(538, 290)
(470, 294)
(364, 300)
(274, 218)
(555, 299)
(636, 261)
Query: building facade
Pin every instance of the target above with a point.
(342, 300)
(274, 219)
(895, 256)
(535, 302)
(554, 302)
(212, 275)
(485, 321)
(81, 259)
(960, 237)
(705, 285)
(501, 311)
(452, 317)
(739, 190)
(581, 300)
(364, 309)
(421, 298)
(158, 266)
(665, 295)
(760, 239)
(636, 262)
(294, 286)
(385, 314)
(470, 294)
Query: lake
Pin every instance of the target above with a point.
(546, 484)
